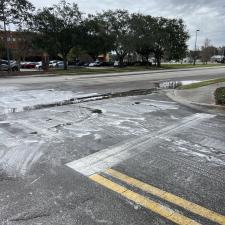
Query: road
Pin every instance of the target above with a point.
(101, 150)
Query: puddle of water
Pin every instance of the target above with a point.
(175, 84)
(97, 111)
(131, 93)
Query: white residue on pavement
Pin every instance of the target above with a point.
(14, 100)
(19, 159)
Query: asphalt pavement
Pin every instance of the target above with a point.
(108, 150)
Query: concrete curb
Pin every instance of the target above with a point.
(26, 75)
(202, 107)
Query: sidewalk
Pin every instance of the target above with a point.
(199, 98)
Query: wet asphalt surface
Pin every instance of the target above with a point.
(183, 153)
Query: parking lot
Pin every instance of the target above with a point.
(131, 158)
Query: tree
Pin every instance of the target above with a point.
(170, 39)
(97, 41)
(142, 35)
(194, 54)
(58, 28)
(207, 51)
(176, 47)
(23, 45)
(117, 26)
(14, 12)
(2, 49)
(75, 53)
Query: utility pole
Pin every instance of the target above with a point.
(195, 54)
(6, 36)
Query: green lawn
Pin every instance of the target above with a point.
(80, 71)
(202, 84)
(180, 66)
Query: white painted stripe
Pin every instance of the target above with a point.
(111, 156)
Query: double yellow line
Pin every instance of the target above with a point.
(154, 206)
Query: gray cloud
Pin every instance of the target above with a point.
(206, 15)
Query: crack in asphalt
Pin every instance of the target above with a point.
(29, 216)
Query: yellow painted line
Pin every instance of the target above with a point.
(145, 202)
(192, 207)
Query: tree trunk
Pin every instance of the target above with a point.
(65, 66)
(121, 61)
(158, 60)
(144, 59)
(93, 56)
(120, 57)
(158, 56)
(19, 63)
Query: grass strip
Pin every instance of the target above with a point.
(201, 84)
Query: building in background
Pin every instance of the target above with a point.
(217, 58)
(20, 46)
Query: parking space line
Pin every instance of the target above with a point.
(143, 201)
(192, 207)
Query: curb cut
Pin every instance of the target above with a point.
(203, 107)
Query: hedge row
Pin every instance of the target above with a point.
(220, 96)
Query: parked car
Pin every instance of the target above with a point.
(86, 64)
(116, 64)
(98, 64)
(80, 63)
(106, 64)
(4, 66)
(27, 65)
(38, 66)
(53, 63)
(91, 64)
(60, 65)
(95, 64)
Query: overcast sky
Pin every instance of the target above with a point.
(206, 15)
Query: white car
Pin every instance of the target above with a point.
(94, 64)
(53, 63)
(60, 65)
(91, 64)
(38, 66)
(116, 63)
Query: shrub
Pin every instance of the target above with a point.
(220, 96)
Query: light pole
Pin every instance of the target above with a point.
(196, 37)
(6, 36)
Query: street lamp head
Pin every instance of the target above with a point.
(197, 30)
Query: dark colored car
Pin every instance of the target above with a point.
(28, 65)
(106, 64)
